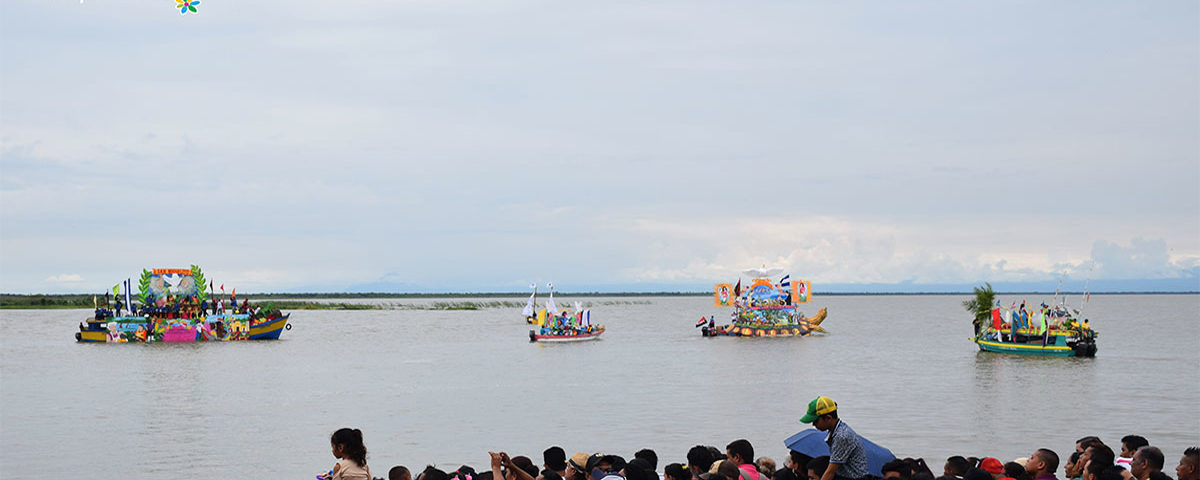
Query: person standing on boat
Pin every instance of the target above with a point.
(847, 458)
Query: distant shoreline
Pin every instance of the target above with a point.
(11, 301)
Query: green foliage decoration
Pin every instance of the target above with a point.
(981, 305)
(198, 276)
(144, 287)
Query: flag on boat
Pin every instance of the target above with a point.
(528, 311)
(550, 306)
(587, 317)
(737, 289)
(116, 290)
(786, 281)
(128, 300)
(701, 322)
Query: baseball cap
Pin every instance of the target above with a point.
(991, 465)
(819, 406)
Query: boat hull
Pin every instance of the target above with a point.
(1055, 345)
(216, 328)
(270, 329)
(585, 337)
(755, 331)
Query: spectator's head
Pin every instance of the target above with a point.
(1131, 443)
(956, 466)
(817, 466)
(649, 456)
(399, 472)
(1147, 459)
(1073, 467)
(577, 467)
(822, 414)
(347, 444)
(717, 454)
(464, 472)
(1112, 472)
(432, 473)
(740, 452)
(766, 466)
(897, 469)
(1189, 465)
(975, 473)
(676, 471)
(1101, 459)
(919, 467)
(700, 459)
(554, 458)
(525, 463)
(639, 469)
(729, 469)
(1043, 462)
(1083, 443)
(797, 461)
(1015, 470)
(993, 467)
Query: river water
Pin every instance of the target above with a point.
(444, 387)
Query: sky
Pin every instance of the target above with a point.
(453, 146)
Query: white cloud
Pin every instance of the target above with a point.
(65, 278)
(428, 142)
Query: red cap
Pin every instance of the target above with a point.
(991, 465)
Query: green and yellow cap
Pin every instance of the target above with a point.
(819, 406)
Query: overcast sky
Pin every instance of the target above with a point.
(454, 146)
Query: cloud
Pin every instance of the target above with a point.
(65, 278)
(1143, 258)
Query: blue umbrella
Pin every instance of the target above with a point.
(811, 442)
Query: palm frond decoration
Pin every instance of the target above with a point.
(198, 276)
(981, 305)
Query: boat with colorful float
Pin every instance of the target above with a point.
(172, 306)
(1047, 331)
(553, 326)
(765, 308)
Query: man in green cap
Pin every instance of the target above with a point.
(847, 459)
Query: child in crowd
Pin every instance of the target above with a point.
(348, 448)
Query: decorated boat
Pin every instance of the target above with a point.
(172, 306)
(554, 326)
(765, 308)
(1048, 331)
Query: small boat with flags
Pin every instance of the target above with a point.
(553, 326)
(172, 306)
(1047, 330)
(765, 308)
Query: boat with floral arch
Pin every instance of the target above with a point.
(173, 306)
(765, 308)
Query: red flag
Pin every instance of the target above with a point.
(701, 322)
(222, 287)
(234, 294)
